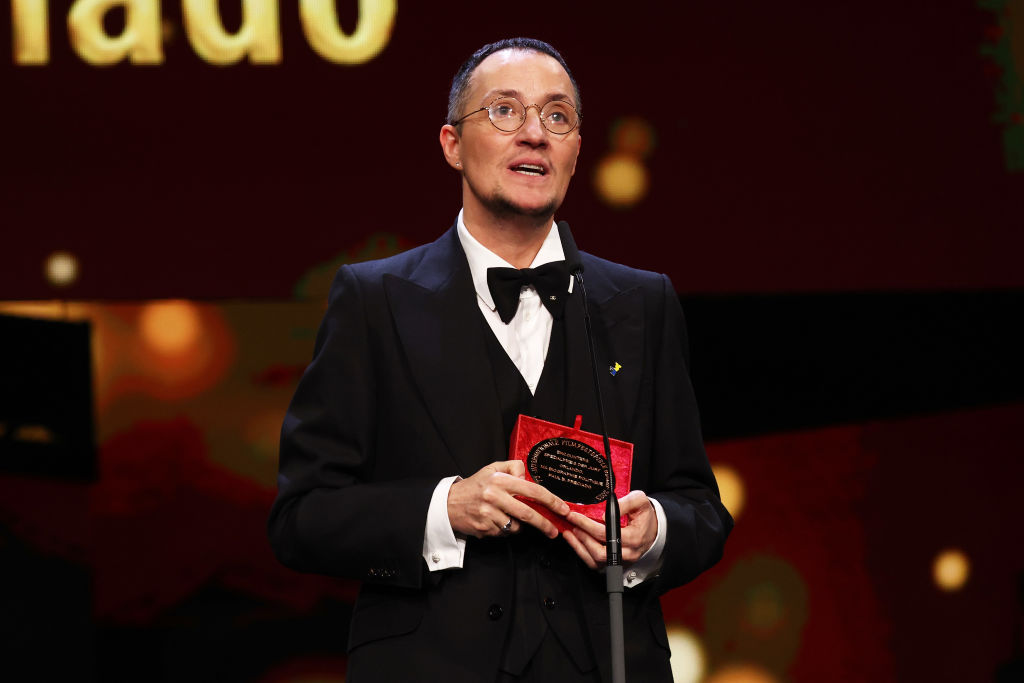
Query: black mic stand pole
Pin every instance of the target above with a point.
(613, 542)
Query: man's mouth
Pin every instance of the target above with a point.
(529, 169)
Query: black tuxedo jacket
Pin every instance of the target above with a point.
(400, 394)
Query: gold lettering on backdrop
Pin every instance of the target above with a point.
(31, 31)
(139, 41)
(259, 37)
(320, 24)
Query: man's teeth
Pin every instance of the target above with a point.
(529, 169)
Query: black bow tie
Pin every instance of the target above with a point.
(550, 280)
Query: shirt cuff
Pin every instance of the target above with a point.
(649, 563)
(442, 549)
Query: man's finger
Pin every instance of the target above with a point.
(590, 534)
(632, 536)
(587, 525)
(516, 468)
(595, 547)
(579, 548)
(642, 530)
(539, 494)
(527, 515)
(633, 501)
(633, 546)
(508, 525)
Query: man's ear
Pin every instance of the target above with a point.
(450, 146)
(579, 145)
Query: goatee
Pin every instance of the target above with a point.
(500, 206)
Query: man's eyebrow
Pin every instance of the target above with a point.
(504, 92)
(499, 92)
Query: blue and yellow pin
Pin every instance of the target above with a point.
(614, 369)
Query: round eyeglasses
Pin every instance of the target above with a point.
(509, 114)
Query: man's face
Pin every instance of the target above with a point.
(495, 181)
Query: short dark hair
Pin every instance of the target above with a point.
(460, 84)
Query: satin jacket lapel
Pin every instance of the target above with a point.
(440, 329)
(618, 324)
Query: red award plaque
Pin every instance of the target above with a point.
(569, 462)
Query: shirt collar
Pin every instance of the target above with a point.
(481, 258)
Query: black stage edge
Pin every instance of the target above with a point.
(771, 363)
(46, 406)
(217, 635)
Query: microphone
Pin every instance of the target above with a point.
(611, 517)
(613, 539)
(572, 255)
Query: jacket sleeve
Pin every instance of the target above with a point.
(681, 476)
(334, 513)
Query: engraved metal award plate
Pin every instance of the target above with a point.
(570, 469)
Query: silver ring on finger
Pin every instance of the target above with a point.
(507, 528)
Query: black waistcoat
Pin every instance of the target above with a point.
(547, 571)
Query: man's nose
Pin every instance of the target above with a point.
(532, 130)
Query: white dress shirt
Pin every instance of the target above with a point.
(525, 338)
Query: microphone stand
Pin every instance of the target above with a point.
(613, 540)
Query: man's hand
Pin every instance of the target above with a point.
(483, 504)
(588, 540)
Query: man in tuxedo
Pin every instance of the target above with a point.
(394, 466)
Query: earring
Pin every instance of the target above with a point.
(458, 163)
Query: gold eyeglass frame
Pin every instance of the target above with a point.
(526, 110)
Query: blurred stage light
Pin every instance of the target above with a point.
(308, 669)
(730, 485)
(262, 434)
(61, 269)
(756, 614)
(633, 136)
(951, 569)
(621, 180)
(170, 327)
(766, 609)
(742, 673)
(34, 434)
(688, 660)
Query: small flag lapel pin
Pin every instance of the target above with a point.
(614, 369)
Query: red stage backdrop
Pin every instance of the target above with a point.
(763, 146)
